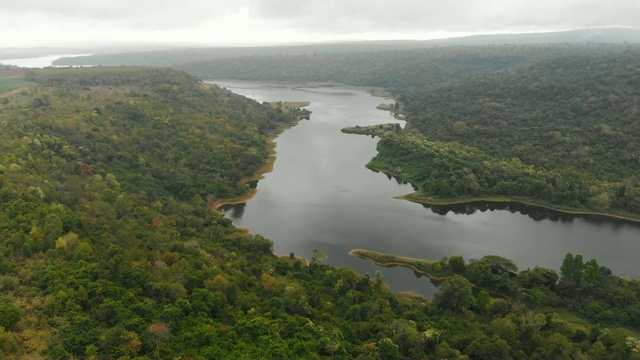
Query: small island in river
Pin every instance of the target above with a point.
(374, 130)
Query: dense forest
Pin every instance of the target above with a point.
(402, 69)
(450, 170)
(110, 249)
(564, 116)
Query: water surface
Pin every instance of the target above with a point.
(320, 195)
(37, 62)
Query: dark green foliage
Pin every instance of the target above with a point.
(109, 248)
(572, 116)
(457, 264)
(449, 170)
(569, 111)
(401, 69)
(455, 294)
(9, 314)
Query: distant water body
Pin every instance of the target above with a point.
(320, 195)
(37, 62)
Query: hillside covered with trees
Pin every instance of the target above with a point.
(109, 247)
(400, 69)
(574, 117)
(564, 116)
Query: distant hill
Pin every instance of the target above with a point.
(391, 69)
(172, 57)
(580, 36)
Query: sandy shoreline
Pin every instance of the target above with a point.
(259, 174)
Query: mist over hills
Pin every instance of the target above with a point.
(154, 56)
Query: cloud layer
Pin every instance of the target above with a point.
(235, 21)
(434, 15)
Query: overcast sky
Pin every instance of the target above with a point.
(229, 22)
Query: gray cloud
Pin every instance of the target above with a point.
(134, 14)
(296, 20)
(455, 16)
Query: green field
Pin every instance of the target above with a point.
(13, 82)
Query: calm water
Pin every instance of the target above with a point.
(38, 62)
(320, 195)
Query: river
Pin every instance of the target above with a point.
(37, 62)
(320, 195)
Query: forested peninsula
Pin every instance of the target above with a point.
(110, 247)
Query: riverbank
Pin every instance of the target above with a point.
(424, 267)
(420, 266)
(373, 130)
(287, 106)
(271, 159)
(420, 198)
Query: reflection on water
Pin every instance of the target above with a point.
(536, 213)
(397, 179)
(235, 211)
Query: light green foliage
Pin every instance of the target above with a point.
(8, 83)
(7, 342)
(437, 267)
(318, 257)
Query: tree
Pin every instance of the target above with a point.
(407, 337)
(483, 301)
(572, 269)
(318, 257)
(592, 271)
(389, 350)
(538, 277)
(457, 264)
(9, 314)
(118, 342)
(378, 281)
(455, 294)
(556, 346)
(489, 348)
